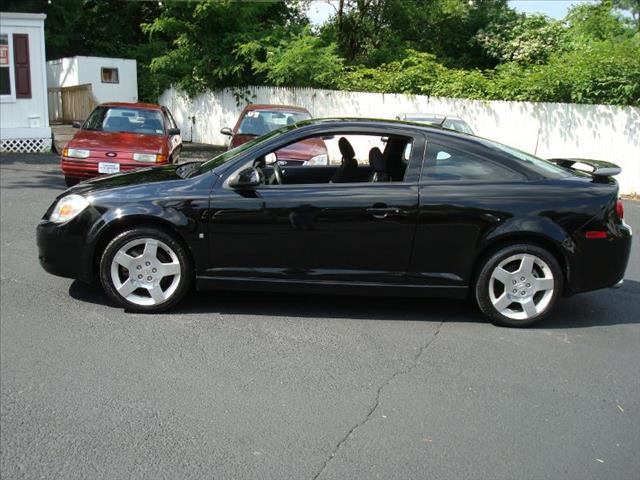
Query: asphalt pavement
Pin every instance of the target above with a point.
(275, 386)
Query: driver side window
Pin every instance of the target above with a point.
(339, 158)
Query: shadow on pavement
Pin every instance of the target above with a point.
(38, 179)
(606, 307)
(28, 158)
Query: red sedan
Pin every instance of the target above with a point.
(121, 136)
(258, 119)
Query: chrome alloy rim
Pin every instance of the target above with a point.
(145, 271)
(521, 286)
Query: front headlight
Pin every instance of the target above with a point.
(76, 153)
(148, 157)
(319, 160)
(68, 207)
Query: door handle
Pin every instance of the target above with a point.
(383, 212)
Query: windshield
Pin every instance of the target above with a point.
(259, 122)
(230, 154)
(458, 126)
(423, 119)
(122, 119)
(449, 123)
(538, 165)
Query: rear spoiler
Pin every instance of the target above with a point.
(599, 168)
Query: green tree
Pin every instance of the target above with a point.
(204, 37)
(632, 7)
(372, 32)
(287, 59)
(526, 39)
(588, 22)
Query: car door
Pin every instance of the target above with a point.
(329, 232)
(461, 191)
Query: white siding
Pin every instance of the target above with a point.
(62, 72)
(69, 72)
(26, 119)
(601, 132)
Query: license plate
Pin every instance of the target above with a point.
(107, 167)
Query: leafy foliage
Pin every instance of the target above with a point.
(293, 60)
(203, 38)
(478, 49)
(526, 39)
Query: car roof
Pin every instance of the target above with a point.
(266, 106)
(142, 105)
(377, 122)
(439, 116)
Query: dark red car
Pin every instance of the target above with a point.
(121, 136)
(259, 119)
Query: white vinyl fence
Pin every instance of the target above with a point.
(600, 132)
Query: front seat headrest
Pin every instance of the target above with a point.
(346, 149)
(376, 160)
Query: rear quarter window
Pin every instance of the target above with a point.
(452, 164)
(542, 167)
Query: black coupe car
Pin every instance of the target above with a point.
(400, 209)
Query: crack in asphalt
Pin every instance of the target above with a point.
(376, 403)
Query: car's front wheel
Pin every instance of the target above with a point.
(145, 270)
(518, 285)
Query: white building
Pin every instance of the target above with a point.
(111, 79)
(24, 118)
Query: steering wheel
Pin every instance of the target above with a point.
(277, 174)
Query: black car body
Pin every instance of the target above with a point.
(429, 233)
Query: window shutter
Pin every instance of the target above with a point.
(21, 65)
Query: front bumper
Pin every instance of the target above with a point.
(62, 250)
(76, 168)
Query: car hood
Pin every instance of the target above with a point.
(140, 177)
(118, 141)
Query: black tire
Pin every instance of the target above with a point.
(120, 241)
(493, 260)
(175, 158)
(70, 181)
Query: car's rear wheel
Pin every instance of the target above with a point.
(518, 285)
(145, 270)
(71, 181)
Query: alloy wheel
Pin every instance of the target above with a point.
(521, 286)
(145, 271)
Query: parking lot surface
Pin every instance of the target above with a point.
(275, 386)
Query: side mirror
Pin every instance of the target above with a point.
(226, 131)
(173, 131)
(77, 124)
(250, 177)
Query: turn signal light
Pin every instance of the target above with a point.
(620, 209)
(594, 234)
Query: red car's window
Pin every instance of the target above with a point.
(130, 120)
(259, 122)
